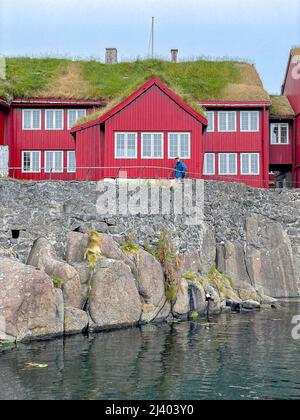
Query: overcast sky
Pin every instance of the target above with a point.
(260, 30)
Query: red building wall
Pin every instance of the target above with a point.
(240, 142)
(153, 111)
(282, 154)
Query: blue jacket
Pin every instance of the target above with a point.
(180, 170)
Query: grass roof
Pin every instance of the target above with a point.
(281, 106)
(62, 78)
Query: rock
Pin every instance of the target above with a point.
(215, 304)
(207, 249)
(30, 307)
(44, 257)
(250, 305)
(76, 321)
(151, 313)
(269, 258)
(114, 299)
(76, 246)
(181, 306)
(197, 297)
(235, 265)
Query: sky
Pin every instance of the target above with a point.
(262, 31)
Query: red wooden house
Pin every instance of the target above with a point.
(244, 135)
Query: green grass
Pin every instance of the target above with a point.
(281, 106)
(199, 80)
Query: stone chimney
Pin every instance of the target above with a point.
(174, 56)
(111, 56)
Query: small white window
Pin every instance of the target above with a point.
(152, 145)
(54, 119)
(280, 133)
(126, 145)
(250, 163)
(227, 164)
(75, 115)
(210, 116)
(179, 145)
(54, 162)
(249, 121)
(209, 164)
(71, 161)
(31, 119)
(31, 162)
(227, 121)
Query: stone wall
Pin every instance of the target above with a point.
(30, 210)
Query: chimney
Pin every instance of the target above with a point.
(111, 56)
(174, 56)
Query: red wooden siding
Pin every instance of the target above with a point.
(282, 154)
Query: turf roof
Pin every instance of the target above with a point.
(281, 106)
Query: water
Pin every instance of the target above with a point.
(237, 356)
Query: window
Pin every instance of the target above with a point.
(227, 121)
(209, 164)
(54, 162)
(71, 161)
(179, 145)
(249, 121)
(74, 115)
(152, 145)
(31, 162)
(250, 163)
(54, 119)
(126, 145)
(279, 134)
(227, 164)
(31, 119)
(210, 115)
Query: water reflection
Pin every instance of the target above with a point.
(249, 356)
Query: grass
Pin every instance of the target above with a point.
(194, 81)
(281, 106)
(57, 281)
(130, 247)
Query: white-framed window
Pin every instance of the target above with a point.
(71, 161)
(179, 145)
(31, 161)
(126, 145)
(228, 164)
(31, 119)
(210, 116)
(54, 162)
(280, 133)
(152, 145)
(209, 164)
(54, 119)
(250, 163)
(227, 121)
(74, 115)
(249, 121)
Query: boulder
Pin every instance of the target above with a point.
(208, 249)
(114, 299)
(181, 306)
(235, 265)
(30, 307)
(76, 321)
(250, 305)
(44, 257)
(269, 258)
(197, 297)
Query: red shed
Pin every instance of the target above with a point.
(142, 135)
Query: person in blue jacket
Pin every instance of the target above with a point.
(181, 169)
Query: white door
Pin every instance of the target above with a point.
(4, 161)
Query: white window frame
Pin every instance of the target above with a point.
(68, 162)
(179, 154)
(45, 164)
(258, 163)
(227, 121)
(40, 165)
(63, 119)
(249, 130)
(31, 119)
(212, 130)
(152, 145)
(126, 133)
(77, 112)
(288, 134)
(227, 164)
(205, 172)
